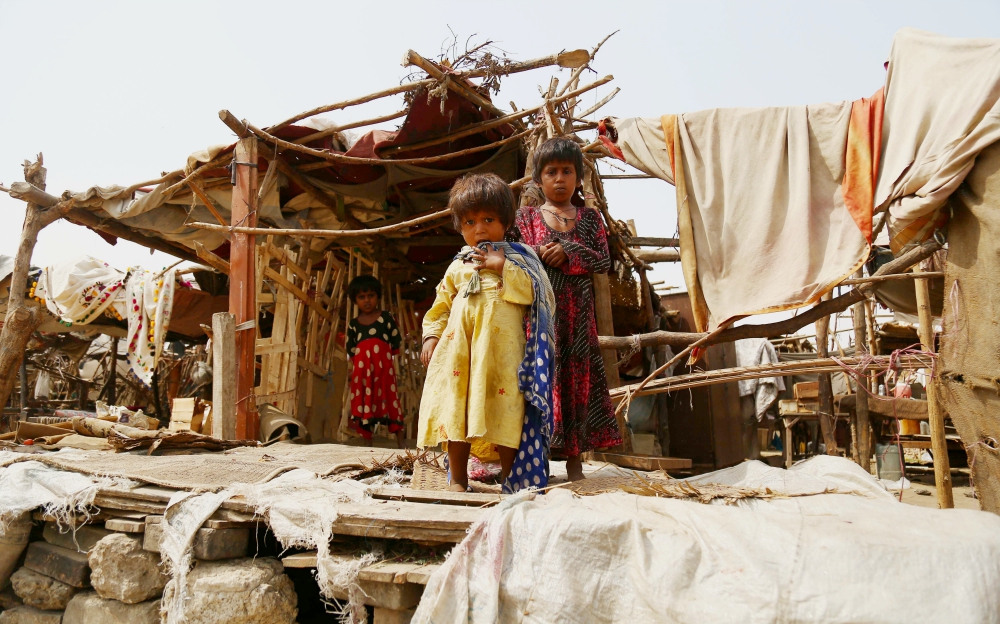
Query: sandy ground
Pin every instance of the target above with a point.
(923, 493)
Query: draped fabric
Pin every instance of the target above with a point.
(79, 291)
(942, 108)
(778, 198)
(149, 302)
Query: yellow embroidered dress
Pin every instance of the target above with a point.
(471, 391)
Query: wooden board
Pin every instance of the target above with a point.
(642, 462)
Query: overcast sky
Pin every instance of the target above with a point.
(115, 93)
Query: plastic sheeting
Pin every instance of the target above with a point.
(858, 556)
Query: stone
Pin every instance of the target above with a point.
(81, 540)
(209, 544)
(60, 563)
(89, 608)
(249, 591)
(121, 570)
(40, 591)
(24, 614)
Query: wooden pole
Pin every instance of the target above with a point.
(25, 315)
(861, 419)
(242, 282)
(827, 422)
(24, 387)
(939, 445)
(223, 376)
(112, 380)
(605, 325)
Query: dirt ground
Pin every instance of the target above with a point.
(923, 493)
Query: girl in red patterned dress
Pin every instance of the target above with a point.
(372, 340)
(569, 238)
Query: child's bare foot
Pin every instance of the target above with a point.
(456, 487)
(574, 468)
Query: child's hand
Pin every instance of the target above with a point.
(492, 260)
(553, 254)
(427, 351)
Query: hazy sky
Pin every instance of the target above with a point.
(115, 93)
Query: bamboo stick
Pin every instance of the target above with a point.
(212, 205)
(593, 109)
(403, 88)
(935, 413)
(455, 83)
(885, 278)
(322, 134)
(354, 160)
(783, 369)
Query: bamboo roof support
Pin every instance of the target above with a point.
(493, 123)
(356, 124)
(403, 88)
(455, 83)
(359, 234)
(567, 59)
(353, 160)
(598, 105)
(212, 205)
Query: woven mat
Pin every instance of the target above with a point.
(209, 471)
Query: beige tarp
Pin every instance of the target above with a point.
(762, 189)
(942, 108)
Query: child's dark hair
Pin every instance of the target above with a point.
(364, 283)
(481, 191)
(559, 149)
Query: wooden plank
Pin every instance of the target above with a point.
(421, 575)
(264, 346)
(303, 560)
(276, 396)
(126, 525)
(387, 572)
(223, 373)
(295, 290)
(282, 256)
(242, 284)
(643, 462)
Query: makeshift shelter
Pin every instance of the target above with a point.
(746, 542)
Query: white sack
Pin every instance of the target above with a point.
(824, 558)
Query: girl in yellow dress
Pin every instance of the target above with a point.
(474, 337)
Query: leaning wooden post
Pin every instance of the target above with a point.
(862, 425)
(242, 284)
(935, 415)
(25, 315)
(827, 421)
(223, 376)
(606, 327)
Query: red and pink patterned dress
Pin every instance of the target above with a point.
(372, 396)
(584, 417)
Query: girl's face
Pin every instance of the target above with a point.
(367, 301)
(559, 180)
(482, 226)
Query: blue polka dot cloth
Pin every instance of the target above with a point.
(534, 375)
